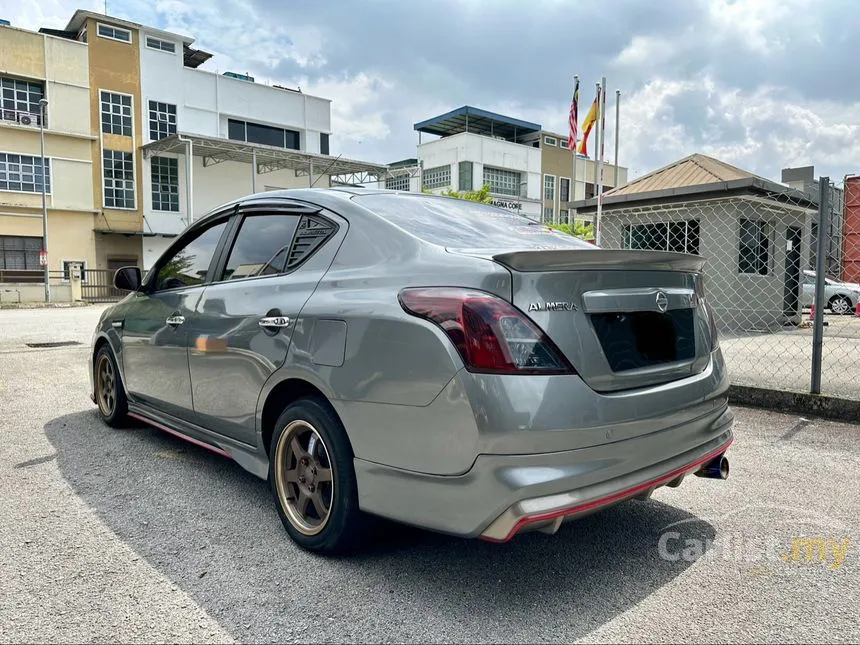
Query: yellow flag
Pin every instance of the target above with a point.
(590, 120)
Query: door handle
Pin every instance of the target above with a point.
(274, 322)
(175, 320)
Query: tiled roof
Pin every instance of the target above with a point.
(695, 170)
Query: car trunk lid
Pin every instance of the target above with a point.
(624, 319)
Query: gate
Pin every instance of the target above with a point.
(97, 286)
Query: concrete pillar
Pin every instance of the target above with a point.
(75, 277)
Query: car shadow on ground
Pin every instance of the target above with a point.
(212, 529)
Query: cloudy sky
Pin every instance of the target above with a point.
(763, 84)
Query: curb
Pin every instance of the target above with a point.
(814, 405)
(42, 305)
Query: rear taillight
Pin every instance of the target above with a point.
(491, 335)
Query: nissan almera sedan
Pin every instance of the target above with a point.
(437, 362)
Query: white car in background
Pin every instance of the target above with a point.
(841, 297)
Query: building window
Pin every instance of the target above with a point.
(161, 45)
(165, 184)
(114, 33)
(23, 174)
(162, 120)
(397, 183)
(67, 265)
(20, 99)
(754, 247)
(263, 134)
(465, 170)
(502, 182)
(547, 215)
(550, 141)
(118, 169)
(562, 143)
(549, 187)
(679, 237)
(563, 217)
(438, 177)
(116, 113)
(324, 150)
(20, 253)
(563, 189)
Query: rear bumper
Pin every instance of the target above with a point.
(550, 511)
(503, 494)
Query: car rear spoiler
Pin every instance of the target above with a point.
(590, 259)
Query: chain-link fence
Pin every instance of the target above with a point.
(762, 246)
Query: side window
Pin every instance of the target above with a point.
(261, 247)
(272, 243)
(188, 266)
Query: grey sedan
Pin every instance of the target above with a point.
(437, 362)
(841, 297)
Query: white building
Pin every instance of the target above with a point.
(243, 137)
(528, 169)
(476, 147)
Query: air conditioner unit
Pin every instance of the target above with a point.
(27, 118)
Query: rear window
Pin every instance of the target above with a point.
(456, 223)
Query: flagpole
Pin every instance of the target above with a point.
(572, 196)
(598, 168)
(617, 130)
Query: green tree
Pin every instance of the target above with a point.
(577, 229)
(178, 268)
(482, 195)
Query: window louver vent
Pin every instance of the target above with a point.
(310, 235)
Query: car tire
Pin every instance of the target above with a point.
(312, 479)
(840, 305)
(108, 389)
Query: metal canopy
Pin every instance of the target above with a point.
(471, 119)
(194, 58)
(267, 158)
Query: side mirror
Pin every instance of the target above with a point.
(127, 278)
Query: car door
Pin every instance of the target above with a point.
(155, 325)
(245, 319)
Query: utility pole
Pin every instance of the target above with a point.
(617, 130)
(45, 174)
(598, 169)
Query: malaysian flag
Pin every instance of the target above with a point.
(573, 118)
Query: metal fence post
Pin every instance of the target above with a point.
(822, 240)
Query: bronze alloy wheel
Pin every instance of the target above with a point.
(106, 385)
(304, 477)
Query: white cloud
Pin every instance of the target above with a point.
(357, 105)
(758, 83)
(645, 50)
(760, 24)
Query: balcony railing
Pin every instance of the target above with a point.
(21, 117)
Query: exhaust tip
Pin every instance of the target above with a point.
(717, 468)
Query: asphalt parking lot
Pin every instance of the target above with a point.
(783, 360)
(134, 535)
